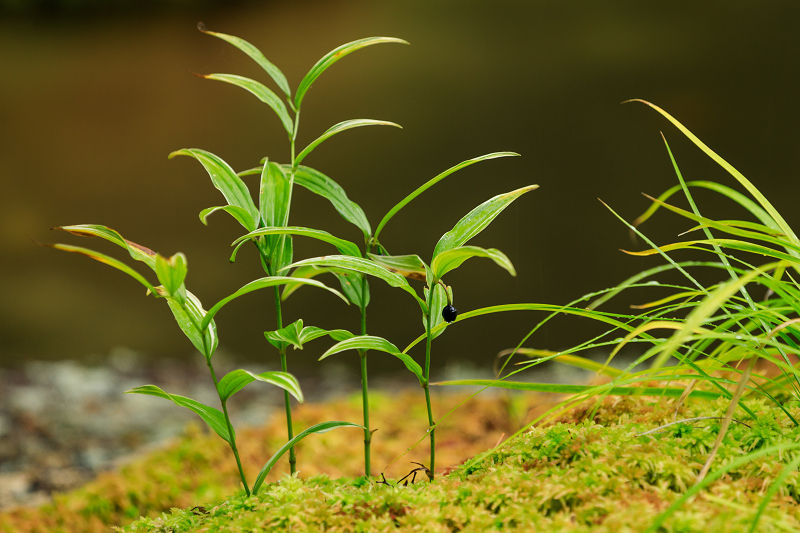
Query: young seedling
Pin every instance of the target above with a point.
(437, 306)
(277, 181)
(198, 325)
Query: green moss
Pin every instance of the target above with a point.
(578, 474)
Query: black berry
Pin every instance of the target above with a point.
(449, 313)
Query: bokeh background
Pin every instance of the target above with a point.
(94, 95)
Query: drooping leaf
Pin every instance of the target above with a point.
(409, 266)
(255, 54)
(430, 183)
(476, 220)
(262, 284)
(296, 335)
(194, 322)
(305, 272)
(137, 251)
(110, 261)
(333, 56)
(241, 215)
(351, 283)
(320, 184)
(338, 128)
(261, 92)
(344, 246)
(318, 428)
(211, 416)
(367, 342)
(225, 180)
(171, 272)
(363, 266)
(236, 380)
(453, 258)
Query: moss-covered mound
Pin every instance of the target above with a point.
(589, 471)
(576, 475)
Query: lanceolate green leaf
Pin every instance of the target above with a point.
(262, 284)
(732, 244)
(452, 259)
(261, 92)
(171, 272)
(320, 184)
(437, 304)
(476, 220)
(332, 57)
(364, 266)
(319, 428)
(241, 215)
(345, 247)
(430, 183)
(236, 380)
(255, 54)
(189, 314)
(367, 342)
(409, 266)
(137, 251)
(305, 272)
(110, 261)
(213, 417)
(733, 172)
(225, 180)
(352, 285)
(338, 128)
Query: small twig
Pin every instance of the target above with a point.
(691, 420)
(383, 481)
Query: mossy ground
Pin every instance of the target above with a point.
(578, 474)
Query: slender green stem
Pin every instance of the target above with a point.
(427, 380)
(232, 435)
(364, 388)
(286, 398)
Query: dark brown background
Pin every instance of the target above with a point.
(91, 103)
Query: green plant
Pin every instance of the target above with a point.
(198, 325)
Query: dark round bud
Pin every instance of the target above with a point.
(449, 313)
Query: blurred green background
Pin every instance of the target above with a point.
(94, 95)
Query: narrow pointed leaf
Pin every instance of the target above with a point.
(367, 342)
(137, 251)
(332, 57)
(189, 314)
(110, 261)
(236, 380)
(476, 220)
(352, 287)
(297, 335)
(275, 199)
(225, 180)
(732, 244)
(437, 305)
(430, 183)
(306, 272)
(345, 247)
(320, 184)
(452, 259)
(340, 127)
(560, 388)
(408, 266)
(255, 54)
(261, 92)
(171, 272)
(262, 284)
(318, 428)
(211, 416)
(241, 215)
(363, 266)
(776, 216)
